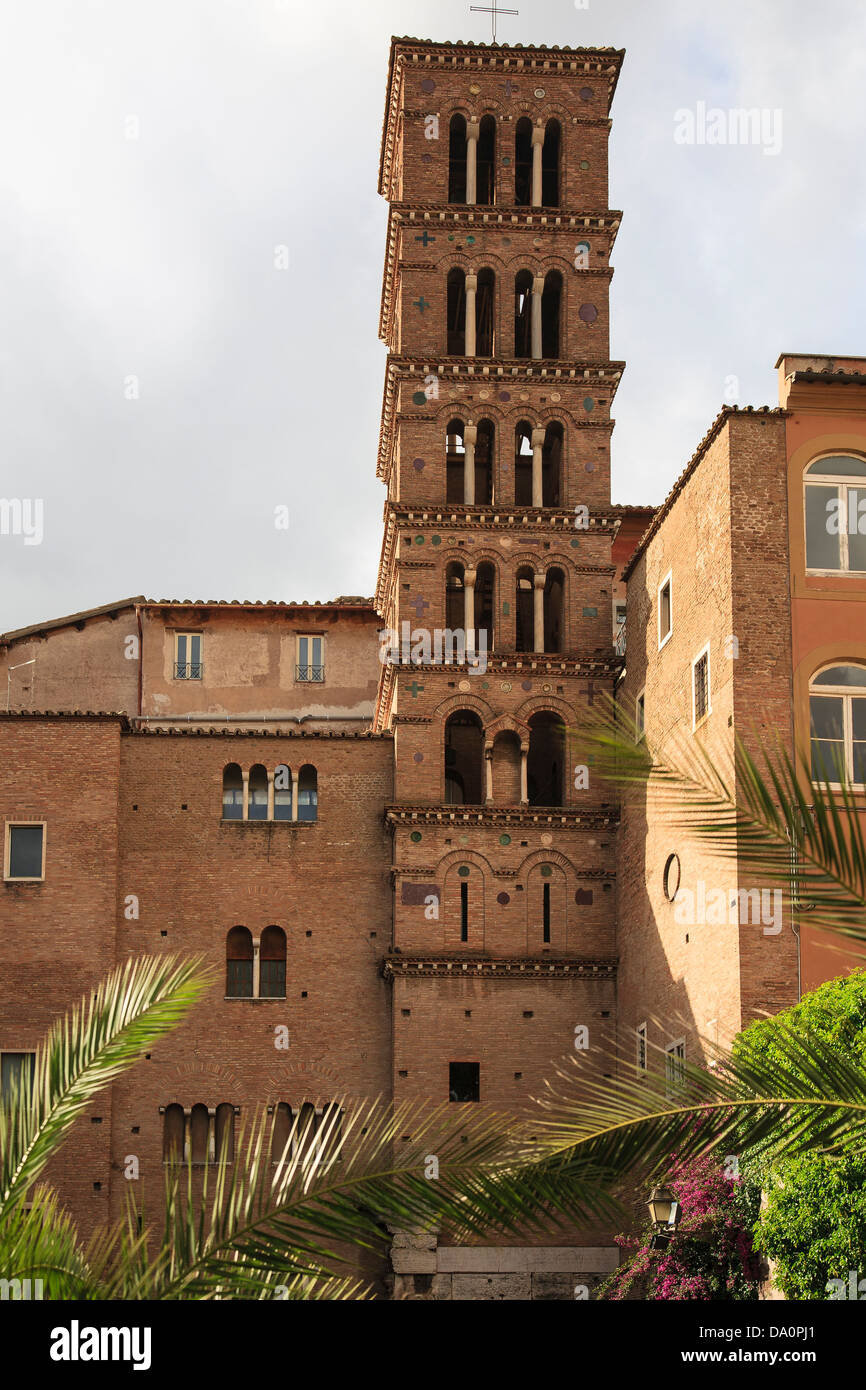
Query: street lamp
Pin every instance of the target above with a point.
(665, 1212)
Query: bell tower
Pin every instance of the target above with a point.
(496, 578)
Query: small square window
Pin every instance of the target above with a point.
(187, 656)
(12, 1065)
(311, 659)
(665, 610)
(464, 1081)
(25, 851)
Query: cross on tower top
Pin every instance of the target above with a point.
(494, 12)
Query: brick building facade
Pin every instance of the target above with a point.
(369, 813)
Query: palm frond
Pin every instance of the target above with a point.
(761, 809)
(132, 1009)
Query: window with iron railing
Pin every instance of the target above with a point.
(311, 659)
(187, 656)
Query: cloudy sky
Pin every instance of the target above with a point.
(164, 386)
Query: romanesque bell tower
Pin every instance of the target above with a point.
(496, 577)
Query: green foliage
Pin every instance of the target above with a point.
(813, 1225)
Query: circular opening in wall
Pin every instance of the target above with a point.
(671, 876)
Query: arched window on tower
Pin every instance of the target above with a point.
(550, 165)
(456, 312)
(272, 964)
(546, 760)
(282, 792)
(455, 458)
(308, 794)
(239, 964)
(173, 1133)
(485, 583)
(457, 159)
(281, 1134)
(523, 464)
(258, 795)
(523, 314)
(464, 753)
(551, 466)
(305, 1135)
(551, 300)
(233, 792)
(554, 587)
(485, 313)
(486, 161)
(523, 162)
(224, 1133)
(524, 610)
(199, 1134)
(455, 598)
(484, 463)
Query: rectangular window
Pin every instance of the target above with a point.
(25, 851)
(187, 656)
(311, 659)
(464, 912)
(12, 1064)
(272, 979)
(641, 1047)
(464, 1081)
(546, 913)
(666, 612)
(675, 1056)
(701, 687)
(640, 716)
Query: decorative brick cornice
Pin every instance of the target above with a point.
(499, 968)
(546, 817)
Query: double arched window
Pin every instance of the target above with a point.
(835, 504)
(308, 1133)
(837, 717)
(256, 969)
(470, 312)
(472, 160)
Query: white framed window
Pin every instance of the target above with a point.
(641, 1047)
(310, 664)
(187, 656)
(24, 851)
(834, 504)
(675, 1058)
(640, 715)
(665, 607)
(701, 704)
(837, 718)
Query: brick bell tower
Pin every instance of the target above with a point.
(495, 451)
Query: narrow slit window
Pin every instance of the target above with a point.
(701, 683)
(464, 912)
(545, 913)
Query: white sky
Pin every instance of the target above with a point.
(259, 125)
